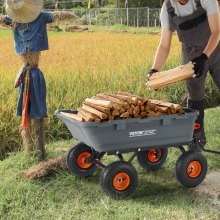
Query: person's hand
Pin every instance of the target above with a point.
(199, 64)
(151, 72)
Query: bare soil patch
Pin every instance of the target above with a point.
(211, 186)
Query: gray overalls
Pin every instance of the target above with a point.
(194, 33)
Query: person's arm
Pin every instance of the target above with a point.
(163, 49)
(214, 24)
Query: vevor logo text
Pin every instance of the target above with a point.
(142, 133)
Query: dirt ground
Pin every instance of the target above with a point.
(211, 186)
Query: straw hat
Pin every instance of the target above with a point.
(24, 11)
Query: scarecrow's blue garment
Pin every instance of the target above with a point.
(31, 37)
(37, 108)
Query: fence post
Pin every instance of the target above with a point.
(90, 22)
(127, 16)
(108, 18)
(148, 17)
(137, 18)
(155, 22)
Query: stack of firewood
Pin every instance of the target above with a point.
(161, 79)
(104, 107)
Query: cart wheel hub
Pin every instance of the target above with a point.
(194, 169)
(152, 155)
(81, 160)
(121, 181)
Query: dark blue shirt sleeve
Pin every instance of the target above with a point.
(47, 17)
(7, 20)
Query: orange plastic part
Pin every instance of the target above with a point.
(194, 169)
(152, 155)
(121, 181)
(81, 160)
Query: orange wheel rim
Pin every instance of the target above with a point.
(152, 155)
(121, 181)
(194, 169)
(81, 160)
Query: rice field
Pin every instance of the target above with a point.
(79, 65)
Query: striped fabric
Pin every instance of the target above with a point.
(24, 77)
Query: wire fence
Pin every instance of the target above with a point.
(135, 17)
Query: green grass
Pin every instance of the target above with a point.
(63, 196)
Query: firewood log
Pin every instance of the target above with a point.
(162, 79)
(87, 114)
(99, 108)
(143, 114)
(102, 103)
(87, 119)
(101, 115)
(110, 98)
(115, 112)
(115, 105)
(124, 98)
(149, 114)
(124, 115)
(72, 116)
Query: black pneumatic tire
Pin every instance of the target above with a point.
(119, 180)
(148, 162)
(75, 160)
(191, 169)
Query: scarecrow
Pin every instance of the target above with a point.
(30, 36)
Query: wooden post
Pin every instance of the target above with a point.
(148, 17)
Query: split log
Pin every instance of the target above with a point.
(122, 110)
(101, 115)
(149, 114)
(162, 79)
(115, 105)
(130, 111)
(99, 108)
(110, 98)
(143, 114)
(111, 117)
(86, 119)
(125, 115)
(115, 112)
(102, 103)
(124, 98)
(87, 115)
(161, 103)
(72, 116)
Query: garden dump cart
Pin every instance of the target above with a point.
(148, 139)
